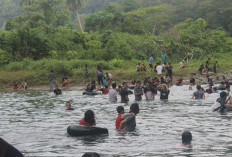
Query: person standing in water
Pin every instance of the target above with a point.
(124, 93)
(113, 93)
(138, 91)
(120, 110)
(51, 79)
(199, 94)
(164, 91)
(220, 104)
(149, 92)
(129, 123)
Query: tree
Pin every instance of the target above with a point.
(74, 6)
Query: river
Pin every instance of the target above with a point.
(35, 122)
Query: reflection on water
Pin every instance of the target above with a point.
(36, 123)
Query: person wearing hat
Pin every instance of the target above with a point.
(129, 123)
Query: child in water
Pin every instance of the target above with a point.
(120, 110)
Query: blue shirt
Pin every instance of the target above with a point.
(164, 56)
(104, 83)
(151, 60)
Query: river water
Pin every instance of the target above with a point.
(35, 122)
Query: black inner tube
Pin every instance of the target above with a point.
(80, 130)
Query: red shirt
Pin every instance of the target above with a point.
(180, 80)
(118, 121)
(82, 122)
(105, 91)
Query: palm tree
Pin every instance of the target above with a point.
(74, 6)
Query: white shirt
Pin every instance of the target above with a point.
(215, 106)
(113, 95)
(181, 64)
(110, 76)
(159, 69)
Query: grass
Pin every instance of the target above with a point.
(35, 73)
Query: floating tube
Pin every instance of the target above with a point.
(90, 93)
(81, 130)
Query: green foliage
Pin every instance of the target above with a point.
(124, 31)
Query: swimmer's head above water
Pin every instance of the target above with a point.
(186, 138)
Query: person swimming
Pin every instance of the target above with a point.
(187, 139)
(69, 106)
(91, 154)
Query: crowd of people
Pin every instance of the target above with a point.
(147, 89)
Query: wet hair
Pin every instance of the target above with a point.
(186, 137)
(106, 86)
(120, 109)
(89, 117)
(91, 154)
(114, 85)
(223, 94)
(198, 87)
(134, 108)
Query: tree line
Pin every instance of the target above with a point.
(124, 30)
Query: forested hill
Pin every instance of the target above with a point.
(113, 30)
(216, 12)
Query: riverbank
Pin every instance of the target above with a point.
(76, 84)
(35, 73)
